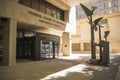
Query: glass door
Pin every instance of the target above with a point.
(49, 49)
(45, 50)
(56, 49)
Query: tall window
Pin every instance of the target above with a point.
(62, 15)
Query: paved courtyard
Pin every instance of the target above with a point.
(74, 67)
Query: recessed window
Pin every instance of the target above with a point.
(44, 7)
(48, 11)
(35, 4)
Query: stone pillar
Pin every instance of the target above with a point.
(82, 46)
(66, 39)
(9, 42)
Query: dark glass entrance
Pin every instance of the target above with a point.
(25, 45)
(37, 46)
(49, 49)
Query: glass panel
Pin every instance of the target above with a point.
(35, 4)
(56, 48)
(49, 49)
(29, 34)
(20, 34)
(114, 3)
(45, 50)
(25, 2)
(54, 13)
(42, 8)
(62, 15)
(48, 11)
(25, 45)
(58, 14)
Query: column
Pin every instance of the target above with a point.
(81, 46)
(9, 42)
(66, 39)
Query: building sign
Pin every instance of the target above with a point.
(48, 20)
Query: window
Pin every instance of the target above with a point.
(54, 13)
(35, 4)
(25, 2)
(58, 14)
(44, 7)
(114, 3)
(48, 11)
(109, 4)
(115, 9)
(62, 15)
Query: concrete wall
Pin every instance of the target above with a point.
(113, 25)
(9, 42)
(66, 43)
(76, 47)
(23, 14)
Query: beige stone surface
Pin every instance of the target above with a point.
(65, 68)
(66, 44)
(113, 23)
(26, 15)
(9, 42)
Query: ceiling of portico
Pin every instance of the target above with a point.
(66, 4)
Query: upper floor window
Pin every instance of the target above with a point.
(34, 4)
(25, 2)
(44, 7)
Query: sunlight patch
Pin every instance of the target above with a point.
(78, 68)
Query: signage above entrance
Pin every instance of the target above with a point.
(48, 20)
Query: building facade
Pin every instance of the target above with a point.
(33, 29)
(110, 10)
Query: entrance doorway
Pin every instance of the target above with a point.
(49, 49)
(37, 46)
(25, 45)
